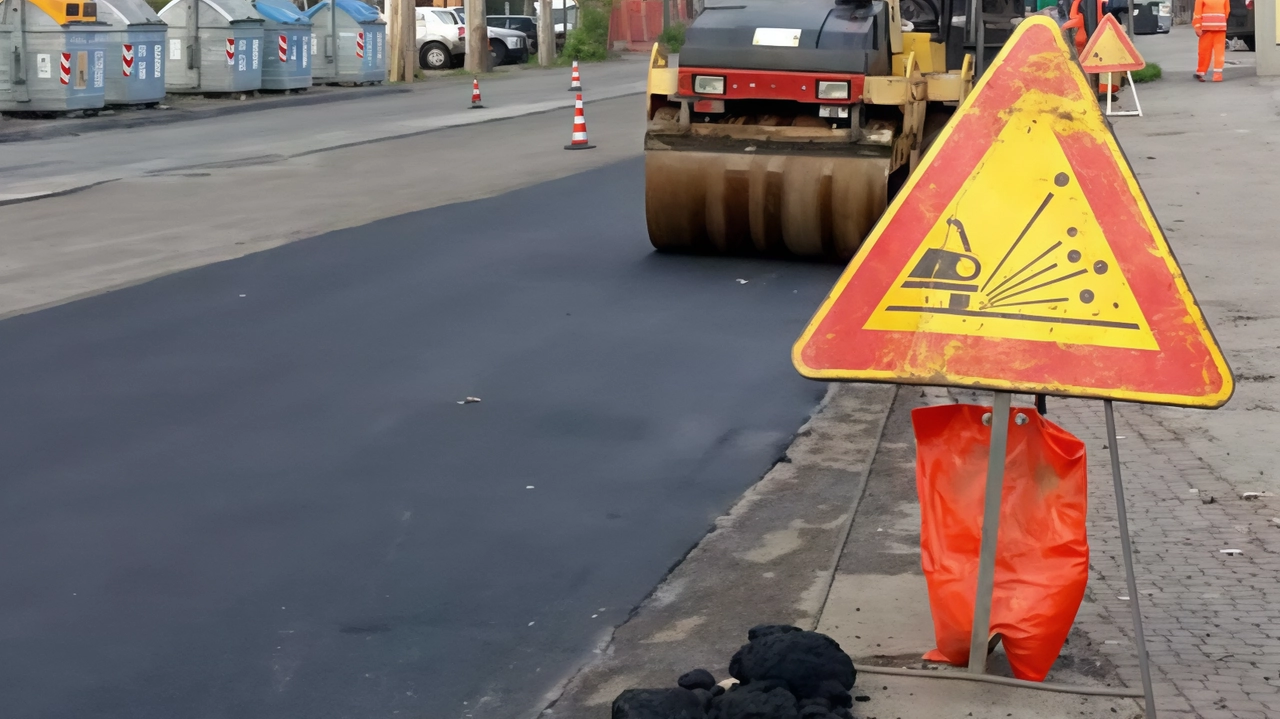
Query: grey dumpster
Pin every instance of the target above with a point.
(286, 62)
(135, 52)
(213, 46)
(54, 56)
(1146, 18)
(360, 54)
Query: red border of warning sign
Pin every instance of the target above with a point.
(1110, 24)
(1189, 368)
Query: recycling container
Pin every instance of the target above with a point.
(359, 55)
(287, 36)
(135, 52)
(213, 46)
(54, 56)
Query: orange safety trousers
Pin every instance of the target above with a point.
(1213, 43)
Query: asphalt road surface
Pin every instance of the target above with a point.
(249, 489)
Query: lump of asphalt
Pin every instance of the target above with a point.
(803, 661)
(767, 700)
(658, 704)
(697, 679)
(764, 630)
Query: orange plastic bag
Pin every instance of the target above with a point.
(1042, 554)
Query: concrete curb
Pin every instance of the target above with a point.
(151, 118)
(768, 560)
(540, 109)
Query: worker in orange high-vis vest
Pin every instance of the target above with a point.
(1210, 22)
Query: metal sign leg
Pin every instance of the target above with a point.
(1125, 548)
(1134, 88)
(1108, 94)
(990, 532)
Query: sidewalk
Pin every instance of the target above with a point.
(1206, 155)
(180, 108)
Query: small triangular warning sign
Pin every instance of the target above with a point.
(1110, 50)
(1021, 256)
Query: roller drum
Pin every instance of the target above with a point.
(813, 206)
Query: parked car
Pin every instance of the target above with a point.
(564, 15)
(526, 24)
(1240, 22)
(504, 45)
(441, 40)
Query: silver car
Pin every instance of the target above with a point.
(441, 40)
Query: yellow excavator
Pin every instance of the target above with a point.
(783, 127)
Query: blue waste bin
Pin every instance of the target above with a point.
(137, 38)
(286, 64)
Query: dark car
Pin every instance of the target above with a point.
(526, 24)
(1240, 22)
(1149, 18)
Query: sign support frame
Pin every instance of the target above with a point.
(1126, 549)
(979, 641)
(1125, 113)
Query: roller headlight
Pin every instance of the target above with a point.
(709, 85)
(833, 90)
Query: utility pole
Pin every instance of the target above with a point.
(408, 38)
(477, 36)
(546, 34)
(395, 56)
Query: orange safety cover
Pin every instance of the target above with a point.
(1042, 554)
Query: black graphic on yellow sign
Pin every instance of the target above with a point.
(1018, 254)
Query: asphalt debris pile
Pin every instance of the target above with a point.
(783, 672)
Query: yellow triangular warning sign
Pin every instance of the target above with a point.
(1046, 273)
(1022, 256)
(1110, 50)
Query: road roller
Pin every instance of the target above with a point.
(783, 127)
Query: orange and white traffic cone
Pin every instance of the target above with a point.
(575, 80)
(475, 94)
(579, 141)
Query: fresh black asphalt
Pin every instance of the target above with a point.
(248, 490)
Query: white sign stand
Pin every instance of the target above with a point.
(1124, 113)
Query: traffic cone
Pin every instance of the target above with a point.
(475, 94)
(575, 81)
(579, 141)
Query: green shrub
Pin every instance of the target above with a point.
(673, 37)
(1150, 73)
(589, 40)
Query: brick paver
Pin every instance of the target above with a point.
(1212, 620)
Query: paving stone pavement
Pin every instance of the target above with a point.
(1212, 620)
